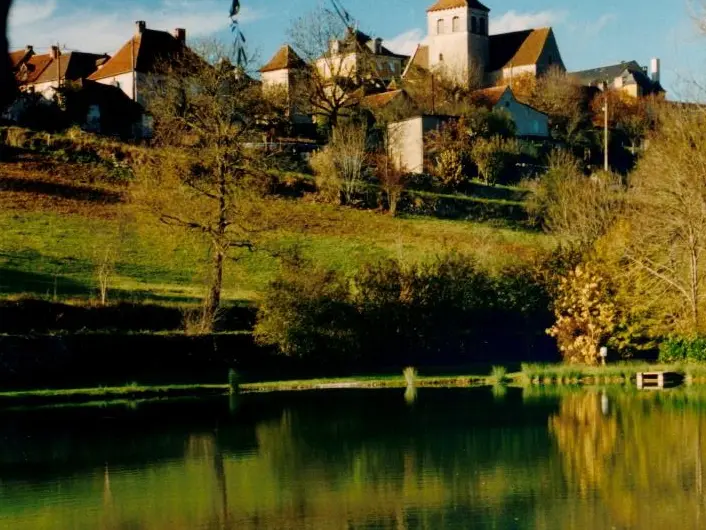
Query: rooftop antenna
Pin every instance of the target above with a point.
(239, 43)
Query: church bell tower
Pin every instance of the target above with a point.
(458, 39)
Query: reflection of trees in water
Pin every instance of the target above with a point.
(586, 438)
(644, 461)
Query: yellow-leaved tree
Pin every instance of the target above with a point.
(586, 315)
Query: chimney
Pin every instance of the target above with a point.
(335, 46)
(378, 45)
(55, 52)
(180, 35)
(140, 26)
(655, 70)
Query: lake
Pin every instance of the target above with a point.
(360, 459)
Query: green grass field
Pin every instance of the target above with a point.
(58, 223)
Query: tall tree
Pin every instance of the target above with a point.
(203, 178)
(666, 244)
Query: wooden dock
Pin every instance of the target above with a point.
(658, 380)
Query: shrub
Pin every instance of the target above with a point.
(585, 315)
(449, 168)
(389, 313)
(326, 177)
(570, 204)
(306, 311)
(410, 376)
(498, 375)
(494, 157)
(677, 349)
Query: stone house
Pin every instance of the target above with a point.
(628, 77)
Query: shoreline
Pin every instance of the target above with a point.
(585, 377)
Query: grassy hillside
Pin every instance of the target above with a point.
(61, 215)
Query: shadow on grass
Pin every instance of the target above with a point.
(64, 191)
(25, 316)
(13, 281)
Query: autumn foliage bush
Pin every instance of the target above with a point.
(586, 316)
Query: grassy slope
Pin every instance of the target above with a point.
(56, 224)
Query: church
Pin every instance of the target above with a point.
(459, 45)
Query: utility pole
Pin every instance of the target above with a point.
(433, 95)
(134, 69)
(606, 164)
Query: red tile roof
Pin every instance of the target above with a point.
(29, 72)
(490, 97)
(440, 5)
(378, 101)
(285, 58)
(71, 66)
(17, 58)
(142, 53)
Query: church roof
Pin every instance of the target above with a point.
(285, 58)
(420, 58)
(519, 48)
(440, 5)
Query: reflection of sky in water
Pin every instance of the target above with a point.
(482, 458)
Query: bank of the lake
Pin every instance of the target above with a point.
(548, 375)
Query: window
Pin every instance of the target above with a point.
(474, 25)
(440, 26)
(482, 29)
(441, 57)
(456, 25)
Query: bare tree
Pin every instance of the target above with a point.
(340, 66)
(667, 240)
(443, 91)
(203, 178)
(561, 97)
(392, 179)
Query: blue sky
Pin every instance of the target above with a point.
(590, 33)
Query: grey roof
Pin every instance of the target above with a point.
(596, 76)
(607, 73)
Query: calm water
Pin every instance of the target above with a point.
(360, 459)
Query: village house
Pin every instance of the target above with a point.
(359, 55)
(108, 93)
(408, 138)
(44, 74)
(135, 65)
(627, 77)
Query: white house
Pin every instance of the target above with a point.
(529, 122)
(133, 66)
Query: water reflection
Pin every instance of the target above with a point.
(456, 459)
